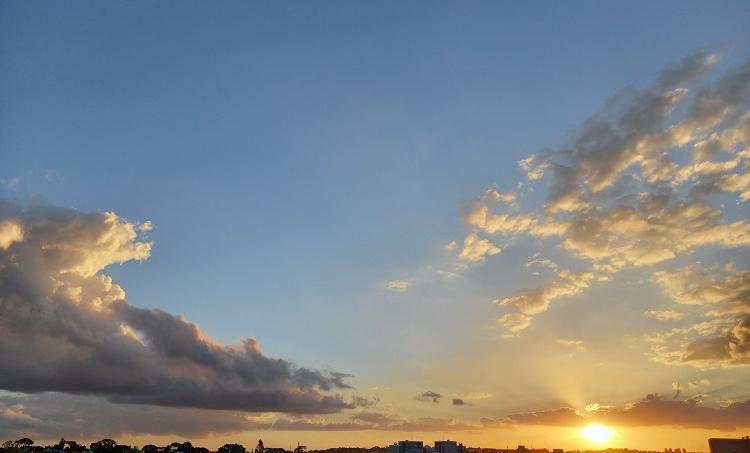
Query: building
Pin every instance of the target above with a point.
(416, 446)
(407, 446)
(729, 445)
(449, 446)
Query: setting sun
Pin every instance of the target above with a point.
(597, 433)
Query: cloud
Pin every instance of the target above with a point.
(723, 341)
(450, 246)
(10, 232)
(637, 186)
(460, 400)
(666, 315)
(15, 419)
(55, 415)
(698, 383)
(651, 411)
(477, 396)
(533, 301)
(514, 322)
(428, 396)
(476, 249)
(65, 326)
(397, 285)
(578, 344)
(11, 183)
(507, 197)
(677, 388)
(367, 421)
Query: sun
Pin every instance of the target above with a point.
(597, 434)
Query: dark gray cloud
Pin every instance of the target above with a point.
(86, 418)
(66, 327)
(460, 402)
(651, 411)
(429, 396)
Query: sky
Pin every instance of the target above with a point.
(348, 223)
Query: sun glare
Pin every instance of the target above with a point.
(597, 433)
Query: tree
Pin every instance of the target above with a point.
(260, 448)
(103, 446)
(231, 448)
(23, 442)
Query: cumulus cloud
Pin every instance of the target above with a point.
(65, 326)
(651, 411)
(429, 397)
(637, 186)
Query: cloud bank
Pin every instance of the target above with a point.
(651, 411)
(65, 326)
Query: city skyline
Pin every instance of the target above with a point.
(348, 223)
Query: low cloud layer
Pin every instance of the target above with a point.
(651, 411)
(367, 421)
(67, 327)
(56, 415)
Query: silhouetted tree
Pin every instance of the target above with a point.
(23, 442)
(103, 446)
(231, 448)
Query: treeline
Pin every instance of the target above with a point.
(26, 445)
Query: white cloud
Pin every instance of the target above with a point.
(477, 249)
(397, 285)
(666, 315)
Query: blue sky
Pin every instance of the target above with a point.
(294, 156)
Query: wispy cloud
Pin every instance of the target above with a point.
(397, 285)
(633, 189)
